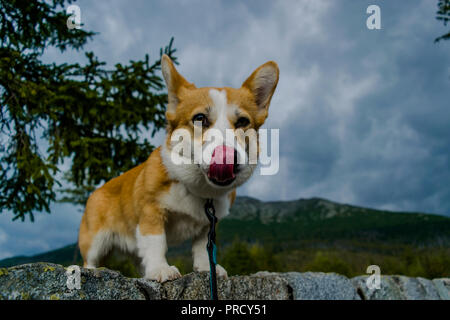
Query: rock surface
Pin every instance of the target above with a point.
(404, 288)
(321, 286)
(50, 282)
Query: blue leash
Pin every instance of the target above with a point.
(211, 247)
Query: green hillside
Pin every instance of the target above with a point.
(65, 256)
(310, 234)
(287, 223)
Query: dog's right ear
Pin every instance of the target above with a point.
(174, 82)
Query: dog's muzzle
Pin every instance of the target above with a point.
(223, 166)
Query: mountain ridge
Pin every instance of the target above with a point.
(298, 203)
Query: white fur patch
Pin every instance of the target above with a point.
(186, 216)
(220, 110)
(151, 248)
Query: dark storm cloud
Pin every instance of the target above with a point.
(363, 115)
(376, 132)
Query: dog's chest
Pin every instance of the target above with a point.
(186, 213)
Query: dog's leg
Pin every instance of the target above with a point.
(99, 247)
(93, 244)
(95, 239)
(200, 254)
(152, 247)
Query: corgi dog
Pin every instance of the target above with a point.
(161, 201)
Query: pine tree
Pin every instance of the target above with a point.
(443, 14)
(91, 118)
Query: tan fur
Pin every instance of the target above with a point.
(126, 201)
(134, 199)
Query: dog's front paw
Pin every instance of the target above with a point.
(220, 271)
(162, 273)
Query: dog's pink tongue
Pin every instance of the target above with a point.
(222, 164)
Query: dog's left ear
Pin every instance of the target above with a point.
(262, 83)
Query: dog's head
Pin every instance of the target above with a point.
(212, 143)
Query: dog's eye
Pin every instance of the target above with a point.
(242, 122)
(200, 117)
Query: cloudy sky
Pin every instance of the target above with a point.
(363, 114)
